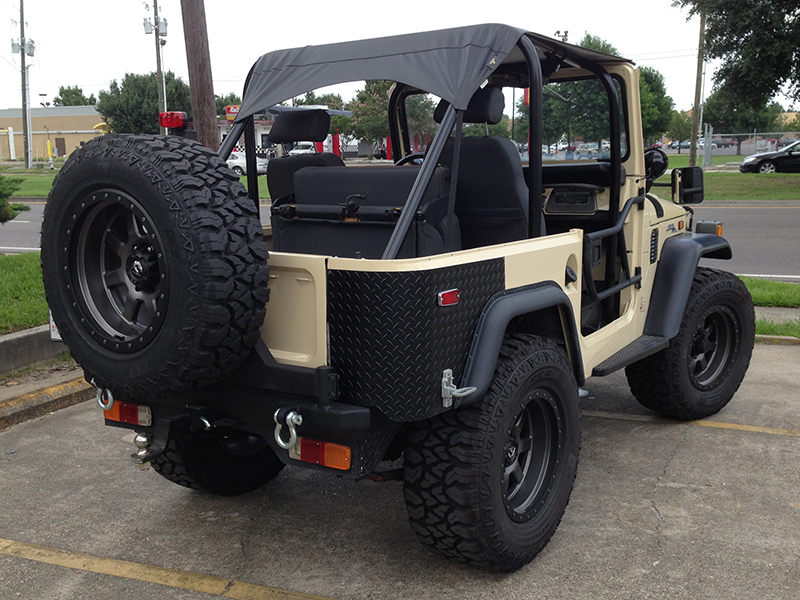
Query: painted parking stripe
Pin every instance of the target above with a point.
(713, 424)
(185, 580)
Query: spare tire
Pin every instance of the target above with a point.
(154, 264)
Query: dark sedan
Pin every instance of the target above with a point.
(785, 160)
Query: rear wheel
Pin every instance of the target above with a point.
(227, 465)
(703, 366)
(487, 484)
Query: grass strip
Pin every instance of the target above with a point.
(22, 303)
(773, 293)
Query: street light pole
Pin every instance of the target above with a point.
(26, 132)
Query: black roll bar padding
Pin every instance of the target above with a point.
(420, 183)
(535, 189)
(250, 161)
(618, 231)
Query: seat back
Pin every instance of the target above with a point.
(297, 126)
(491, 194)
(352, 212)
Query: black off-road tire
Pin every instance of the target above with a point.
(487, 484)
(154, 264)
(703, 366)
(218, 464)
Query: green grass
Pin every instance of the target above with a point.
(791, 329)
(752, 186)
(677, 161)
(22, 303)
(773, 293)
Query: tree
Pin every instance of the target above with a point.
(757, 41)
(221, 102)
(724, 113)
(132, 106)
(656, 105)
(419, 114)
(680, 127)
(370, 110)
(73, 96)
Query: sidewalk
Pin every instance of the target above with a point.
(47, 388)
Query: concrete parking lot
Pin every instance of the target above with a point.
(660, 510)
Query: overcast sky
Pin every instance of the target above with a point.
(89, 43)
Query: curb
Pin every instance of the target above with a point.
(25, 348)
(36, 404)
(778, 340)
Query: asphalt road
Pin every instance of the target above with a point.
(763, 235)
(660, 510)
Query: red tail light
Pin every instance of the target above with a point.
(173, 120)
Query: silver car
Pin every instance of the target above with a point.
(238, 163)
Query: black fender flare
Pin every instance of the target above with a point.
(493, 322)
(677, 265)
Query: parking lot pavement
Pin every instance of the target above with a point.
(660, 510)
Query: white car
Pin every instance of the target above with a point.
(238, 163)
(303, 148)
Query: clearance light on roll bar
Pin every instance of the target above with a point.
(325, 454)
(132, 414)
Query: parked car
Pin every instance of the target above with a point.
(303, 148)
(725, 142)
(701, 144)
(785, 141)
(238, 163)
(786, 160)
(586, 150)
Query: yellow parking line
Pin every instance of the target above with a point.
(186, 580)
(714, 424)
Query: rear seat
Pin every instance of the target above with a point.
(351, 212)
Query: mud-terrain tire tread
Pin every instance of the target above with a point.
(200, 464)
(660, 381)
(223, 262)
(448, 457)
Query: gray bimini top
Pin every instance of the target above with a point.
(449, 63)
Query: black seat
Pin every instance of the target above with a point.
(297, 126)
(491, 194)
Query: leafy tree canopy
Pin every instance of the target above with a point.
(370, 110)
(73, 96)
(221, 102)
(680, 127)
(132, 106)
(656, 105)
(757, 41)
(726, 115)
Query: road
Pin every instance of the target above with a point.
(660, 510)
(763, 235)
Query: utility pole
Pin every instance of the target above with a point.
(26, 133)
(201, 87)
(698, 92)
(162, 100)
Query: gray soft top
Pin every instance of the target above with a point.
(450, 63)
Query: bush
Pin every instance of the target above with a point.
(8, 186)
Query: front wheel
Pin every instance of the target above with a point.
(487, 484)
(767, 167)
(703, 366)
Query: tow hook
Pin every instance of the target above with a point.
(290, 419)
(104, 397)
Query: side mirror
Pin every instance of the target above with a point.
(655, 165)
(687, 185)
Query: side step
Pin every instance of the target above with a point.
(638, 349)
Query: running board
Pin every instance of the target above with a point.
(636, 350)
